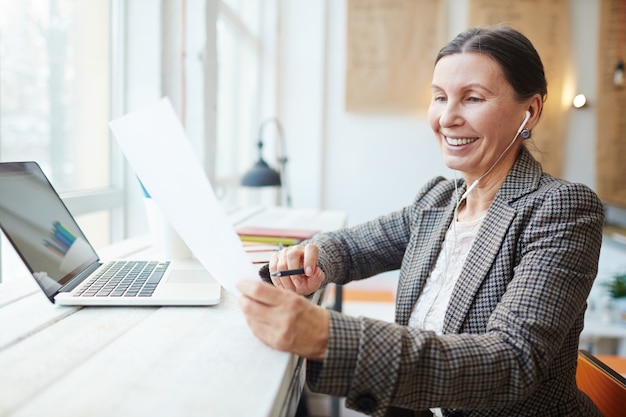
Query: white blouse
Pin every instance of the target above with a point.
(430, 309)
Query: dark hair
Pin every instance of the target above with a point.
(516, 55)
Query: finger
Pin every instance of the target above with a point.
(255, 313)
(291, 259)
(285, 283)
(274, 261)
(286, 259)
(278, 262)
(311, 255)
(275, 265)
(287, 256)
(260, 292)
(277, 282)
(295, 256)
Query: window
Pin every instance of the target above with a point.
(67, 67)
(245, 38)
(55, 99)
(228, 46)
(238, 52)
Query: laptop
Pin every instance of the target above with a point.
(67, 268)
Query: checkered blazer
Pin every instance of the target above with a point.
(511, 330)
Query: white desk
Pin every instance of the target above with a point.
(170, 361)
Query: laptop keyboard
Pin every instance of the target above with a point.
(124, 279)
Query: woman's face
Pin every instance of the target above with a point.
(474, 114)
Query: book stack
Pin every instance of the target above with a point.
(261, 242)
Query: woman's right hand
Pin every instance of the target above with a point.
(295, 257)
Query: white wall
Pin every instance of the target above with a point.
(580, 152)
(370, 165)
(301, 97)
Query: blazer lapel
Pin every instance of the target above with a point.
(420, 258)
(478, 264)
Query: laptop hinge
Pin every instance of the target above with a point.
(78, 279)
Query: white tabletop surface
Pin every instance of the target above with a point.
(112, 361)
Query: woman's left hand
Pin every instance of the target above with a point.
(285, 320)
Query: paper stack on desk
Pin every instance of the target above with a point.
(274, 235)
(260, 253)
(157, 148)
(260, 243)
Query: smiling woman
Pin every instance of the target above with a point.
(494, 268)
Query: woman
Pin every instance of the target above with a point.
(495, 269)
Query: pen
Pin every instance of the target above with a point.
(286, 273)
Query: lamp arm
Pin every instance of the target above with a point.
(283, 161)
(281, 134)
(260, 146)
(283, 167)
(282, 171)
(283, 152)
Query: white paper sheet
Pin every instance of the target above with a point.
(157, 148)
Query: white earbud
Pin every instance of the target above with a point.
(523, 125)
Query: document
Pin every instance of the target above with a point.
(156, 146)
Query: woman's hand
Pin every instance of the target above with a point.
(284, 320)
(298, 257)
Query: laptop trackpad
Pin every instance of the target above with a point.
(190, 277)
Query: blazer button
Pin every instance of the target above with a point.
(365, 402)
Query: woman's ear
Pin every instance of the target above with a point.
(535, 106)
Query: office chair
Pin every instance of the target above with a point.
(605, 387)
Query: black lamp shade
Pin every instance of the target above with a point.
(261, 175)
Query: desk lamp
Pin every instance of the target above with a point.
(261, 174)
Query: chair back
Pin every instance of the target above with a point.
(605, 387)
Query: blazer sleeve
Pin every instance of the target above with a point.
(373, 247)
(377, 364)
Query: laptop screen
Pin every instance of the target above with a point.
(35, 220)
